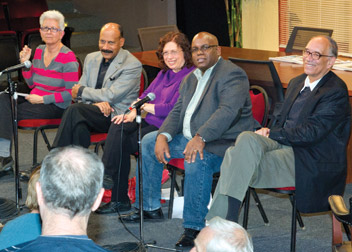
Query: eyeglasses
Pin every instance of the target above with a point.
(203, 48)
(52, 29)
(172, 53)
(315, 55)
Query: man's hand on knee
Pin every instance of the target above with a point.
(104, 107)
(162, 149)
(195, 145)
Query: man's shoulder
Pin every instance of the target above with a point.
(227, 67)
(126, 58)
(58, 243)
(93, 55)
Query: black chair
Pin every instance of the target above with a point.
(9, 52)
(149, 36)
(341, 215)
(32, 39)
(300, 36)
(296, 216)
(264, 74)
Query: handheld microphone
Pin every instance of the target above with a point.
(149, 97)
(26, 64)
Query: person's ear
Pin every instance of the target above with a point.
(40, 197)
(97, 201)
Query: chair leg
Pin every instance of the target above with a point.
(172, 191)
(35, 146)
(260, 206)
(246, 208)
(48, 145)
(298, 215)
(347, 230)
(97, 146)
(177, 187)
(293, 224)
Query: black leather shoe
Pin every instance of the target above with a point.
(187, 239)
(24, 175)
(108, 183)
(112, 207)
(6, 163)
(155, 215)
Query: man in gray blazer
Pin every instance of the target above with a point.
(109, 84)
(213, 108)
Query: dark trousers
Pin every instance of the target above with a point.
(119, 150)
(25, 110)
(77, 122)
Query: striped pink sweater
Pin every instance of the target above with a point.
(54, 82)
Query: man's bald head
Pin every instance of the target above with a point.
(208, 36)
(111, 40)
(205, 50)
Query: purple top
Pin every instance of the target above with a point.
(165, 87)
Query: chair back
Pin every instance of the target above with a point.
(340, 215)
(149, 36)
(300, 36)
(144, 82)
(260, 104)
(23, 14)
(9, 50)
(264, 74)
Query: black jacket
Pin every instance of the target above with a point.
(319, 140)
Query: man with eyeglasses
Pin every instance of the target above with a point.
(305, 148)
(213, 108)
(109, 84)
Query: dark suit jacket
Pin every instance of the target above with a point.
(223, 110)
(319, 140)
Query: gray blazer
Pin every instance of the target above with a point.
(121, 83)
(223, 111)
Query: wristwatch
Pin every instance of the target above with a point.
(200, 137)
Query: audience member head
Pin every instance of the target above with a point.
(52, 26)
(174, 52)
(319, 56)
(111, 40)
(70, 181)
(222, 235)
(205, 50)
(31, 201)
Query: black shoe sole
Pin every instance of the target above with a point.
(112, 212)
(7, 167)
(137, 221)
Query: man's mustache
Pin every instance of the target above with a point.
(106, 51)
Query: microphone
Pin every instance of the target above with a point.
(26, 64)
(149, 97)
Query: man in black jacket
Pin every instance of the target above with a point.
(305, 148)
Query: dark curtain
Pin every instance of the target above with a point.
(194, 16)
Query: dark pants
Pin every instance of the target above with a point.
(114, 154)
(25, 110)
(77, 122)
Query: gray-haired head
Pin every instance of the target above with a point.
(228, 236)
(53, 14)
(333, 48)
(71, 179)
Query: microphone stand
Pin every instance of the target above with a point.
(8, 207)
(14, 96)
(141, 245)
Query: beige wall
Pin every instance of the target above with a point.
(132, 14)
(260, 24)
